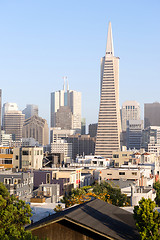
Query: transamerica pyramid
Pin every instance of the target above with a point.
(109, 125)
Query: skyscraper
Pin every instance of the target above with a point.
(83, 126)
(134, 134)
(151, 114)
(69, 98)
(93, 129)
(13, 120)
(30, 110)
(8, 107)
(151, 139)
(130, 111)
(109, 125)
(64, 118)
(37, 128)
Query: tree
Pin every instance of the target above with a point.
(113, 194)
(157, 188)
(14, 215)
(74, 197)
(103, 191)
(147, 220)
(58, 208)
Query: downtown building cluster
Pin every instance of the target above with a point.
(120, 148)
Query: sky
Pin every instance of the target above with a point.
(42, 41)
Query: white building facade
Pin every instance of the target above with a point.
(130, 111)
(61, 146)
(69, 98)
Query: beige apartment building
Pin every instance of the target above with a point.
(134, 174)
(73, 174)
(122, 157)
(37, 128)
(109, 124)
(28, 157)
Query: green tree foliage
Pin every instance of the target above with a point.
(104, 191)
(113, 196)
(3, 191)
(58, 208)
(14, 215)
(157, 188)
(74, 197)
(147, 220)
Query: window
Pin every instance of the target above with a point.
(115, 155)
(94, 162)
(19, 180)
(7, 180)
(48, 178)
(124, 155)
(16, 157)
(134, 173)
(121, 173)
(25, 153)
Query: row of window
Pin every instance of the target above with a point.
(36, 152)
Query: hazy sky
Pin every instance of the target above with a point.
(42, 41)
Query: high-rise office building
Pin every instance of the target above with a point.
(8, 107)
(134, 134)
(37, 128)
(69, 98)
(93, 129)
(109, 124)
(83, 126)
(151, 139)
(13, 120)
(64, 118)
(57, 134)
(81, 144)
(30, 110)
(74, 102)
(130, 111)
(151, 114)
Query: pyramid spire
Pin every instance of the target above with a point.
(109, 48)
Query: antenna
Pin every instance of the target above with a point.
(64, 78)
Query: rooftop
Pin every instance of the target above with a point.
(98, 216)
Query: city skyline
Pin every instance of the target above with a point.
(51, 42)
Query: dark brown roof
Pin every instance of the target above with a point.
(99, 216)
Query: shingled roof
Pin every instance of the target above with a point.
(96, 215)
